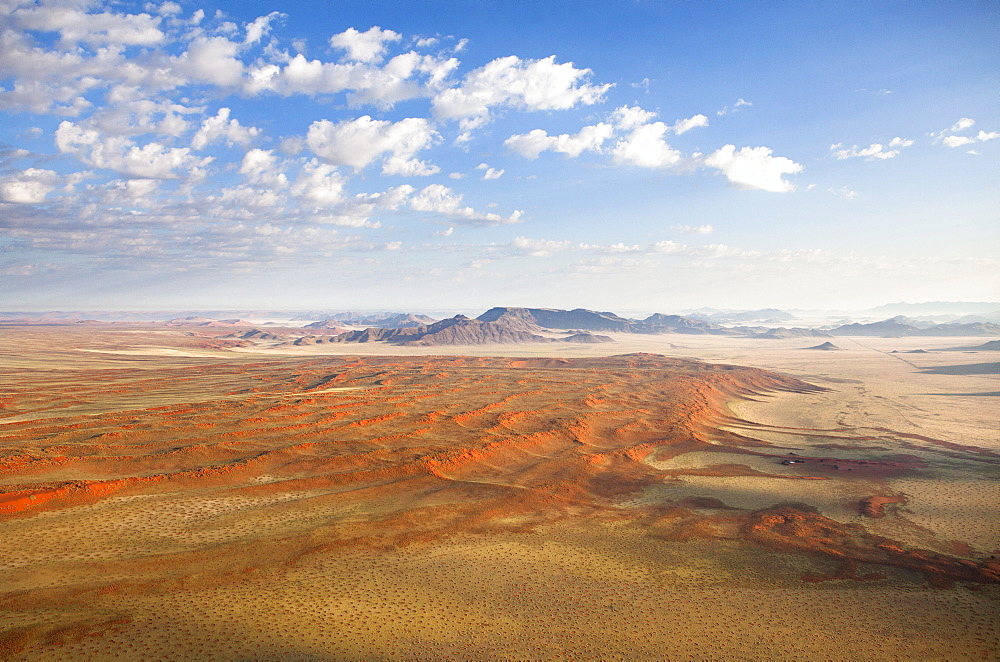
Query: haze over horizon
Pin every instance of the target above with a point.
(605, 155)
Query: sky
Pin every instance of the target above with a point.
(622, 155)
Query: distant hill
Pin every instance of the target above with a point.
(982, 317)
(826, 347)
(587, 338)
(590, 320)
(660, 323)
(932, 307)
(460, 330)
(895, 328)
(553, 318)
(725, 316)
(387, 321)
(795, 332)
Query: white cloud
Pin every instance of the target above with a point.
(667, 247)
(366, 46)
(439, 199)
(693, 229)
(243, 198)
(981, 137)
(533, 143)
(75, 25)
(875, 151)
(151, 161)
(513, 82)
(844, 192)
(260, 167)
(682, 126)
(646, 148)
(631, 117)
(957, 141)
(753, 168)
(537, 247)
(399, 79)
(357, 143)
(28, 186)
(961, 125)
(732, 109)
(357, 211)
(137, 190)
(260, 26)
(221, 127)
(319, 184)
(211, 60)
(491, 173)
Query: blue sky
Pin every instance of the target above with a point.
(631, 156)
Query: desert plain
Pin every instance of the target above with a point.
(167, 495)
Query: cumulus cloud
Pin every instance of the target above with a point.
(693, 229)
(261, 168)
(211, 60)
(359, 142)
(135, 190)
(981, 137)
(732, 109)
(946, 136)
(150, 161)
(961, 125)
(533, 143)
(844, 192)
(439, 199)
(874, 152)
(221, 127)
(667, 247)
(491, 173)
(513, 82)
(319, 184)
(75, 25)
(683, 126)
(631, 117)
(537, 247)
(646, 148)
(28, 186)
(405, 76)
(368, 46)
(753, 168)
(260, 26)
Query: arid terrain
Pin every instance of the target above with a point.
(169, 495)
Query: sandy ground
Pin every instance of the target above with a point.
(166, 497)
